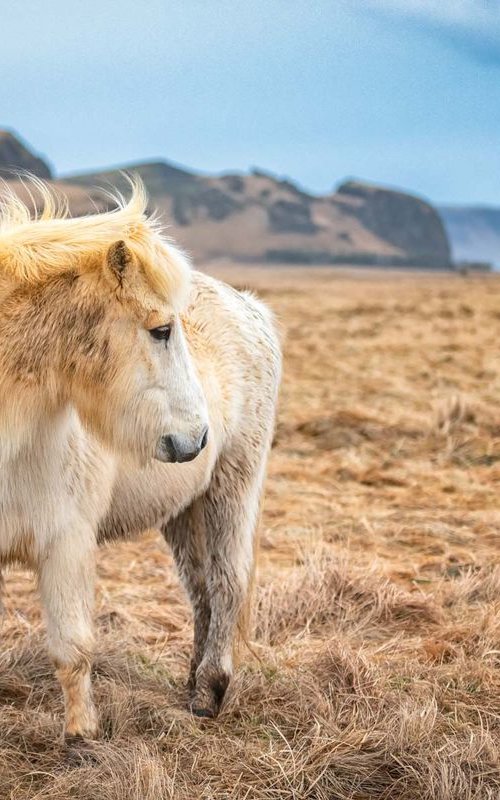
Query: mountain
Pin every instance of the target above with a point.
(259, 217)
(474, 232)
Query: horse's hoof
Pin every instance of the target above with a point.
(205, 713)
(209, 694)
(78, 751)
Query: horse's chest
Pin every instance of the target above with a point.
(49, 488)
(28, 506)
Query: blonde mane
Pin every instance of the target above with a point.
(36, 246)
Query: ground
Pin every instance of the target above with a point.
(374, 669)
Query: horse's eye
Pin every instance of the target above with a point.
(162, 333)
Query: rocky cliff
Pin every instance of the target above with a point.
(406, 222)
(260, 217)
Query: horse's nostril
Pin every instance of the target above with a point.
(180, 448)
(170, 448)
(204, 438)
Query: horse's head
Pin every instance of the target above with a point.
(149, 400)
(96, 310)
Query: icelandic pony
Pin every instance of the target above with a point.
(133, 393)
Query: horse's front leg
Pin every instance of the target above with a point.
(66, 581)
(186, 536)
(231, 506)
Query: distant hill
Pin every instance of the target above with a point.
(259, 217)
(263, 218)
(474, 232)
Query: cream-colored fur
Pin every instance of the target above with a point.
(86, 395)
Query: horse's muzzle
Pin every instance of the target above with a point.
(178, 449)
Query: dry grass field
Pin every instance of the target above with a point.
(375, 670)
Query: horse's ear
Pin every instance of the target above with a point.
(118, 258)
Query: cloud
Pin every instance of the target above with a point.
(471, 25)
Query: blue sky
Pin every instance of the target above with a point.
(402, 92)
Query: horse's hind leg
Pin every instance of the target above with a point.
(186, 536)
(66, 581)
(231, 506)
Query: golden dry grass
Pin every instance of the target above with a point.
(377, 609)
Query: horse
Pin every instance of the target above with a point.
(135, 392)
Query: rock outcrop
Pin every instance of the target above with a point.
(406, 222)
